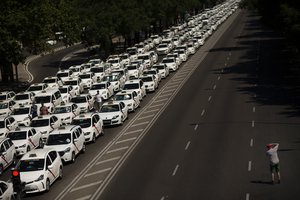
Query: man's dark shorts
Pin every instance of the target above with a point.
(274, 168)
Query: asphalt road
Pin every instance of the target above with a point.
(210, 141)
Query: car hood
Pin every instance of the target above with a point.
(30, 176)
(60, 147)
(20, 117)
(108, 115)
(18, 143)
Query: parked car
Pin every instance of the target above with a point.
(7, 154)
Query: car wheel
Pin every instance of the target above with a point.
(60, 172)
(1, 170)
(73, 157)
(94, 138)
(47, 185)
(14, 162)
(41, 143)
(102, 133)
(83, 148)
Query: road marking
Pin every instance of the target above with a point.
(253, 123)
(98, 172)
(203, 111)
(209, 98)
(251, 143)
(249, 166)
(84, 198)
(196, 126)
(86, 186)
(215, 86)
(157, 105)
(253, 109)
(149, 111)
(219, 77)
(165, 99)
(119, 149)
(135, 131)
(139, 124)
(108, 160)
(187, 145)
(166, 94)
(148, 116)
(175, 170)
(247, 196)
(126, 140)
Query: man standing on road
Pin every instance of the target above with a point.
(274, 161)
(98, 101)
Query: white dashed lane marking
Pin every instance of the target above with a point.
(249, 166)
(126, 140)
(175, 170)
(253, 109)
(140, 124)
(97, 172)
(84, 198)
(187, 145)
(251, 143)
(253, 123)
(86, 186)
(247, 196)
(209, 98)
(132, 132)
(203, 111)
(116, 150)
(215, 86)
(108, 160)
(196, 126)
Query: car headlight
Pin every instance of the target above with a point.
(117, 83)
(26, 118)
(104, 92)
(115, 117)
(130, 104)
(22, 146)
(87, 133)
(41, 177)
(152, 85)
(67, 149)
(67, 118)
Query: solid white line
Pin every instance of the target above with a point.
(139, 124)
(148, 116)
(135, 131)
(126, 140)
(84, 198)
(253, 123)
(196, 126)
(86, 186)
(187, 145)
(249, 166)
(254, 109)
(119, 149)
(108, 160)
(98, 172)
(203, 111)
(247, 196)
(175, 170)
(209, 98)
(215, 86)
(251, 143)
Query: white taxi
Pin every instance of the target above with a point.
(6, 190)
(68, 141)
(105, 88)
(87, 78)
(66, 112)
(77, 84)
(37, 87)
(150, 82)
(24, 98)
(25, 139)
(7, 106)
(45, 124)
(7, 154)
(91, 124)
(113, 113)
(130, 98)
(163, 70)
(67, 92)
(39, 169)
(84, 101)
(7, 95)
(137, 86)
(7, 123)
(23, 115)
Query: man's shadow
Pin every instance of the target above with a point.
(262, 182)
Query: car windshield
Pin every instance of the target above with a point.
(40, 122)
(132, 67)
(98, 86)
(167, 60)
(71, 82)
(109, 108)
(20, 111)
(18, 135)
(21, 97)
(144, 57)
(2, 125)
(3, 105)
(52, 80)
(85, 76)
(2, 97)
(78, 100)
(150, 72)
(63, 90)
(35, 88)
(162, 46)
(31, 165)
(63, 109)
(64, 74)
(58, 139)
(42, 99)
(83, 123)
(97, 69)
(120, 97)
(110, 78)
(159, 67)
(130, 86)
(147, 79)
(114, 61)
(75, 69)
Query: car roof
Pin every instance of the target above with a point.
(42, 117)
(36, 154)
(63, 129)
(85, 115)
